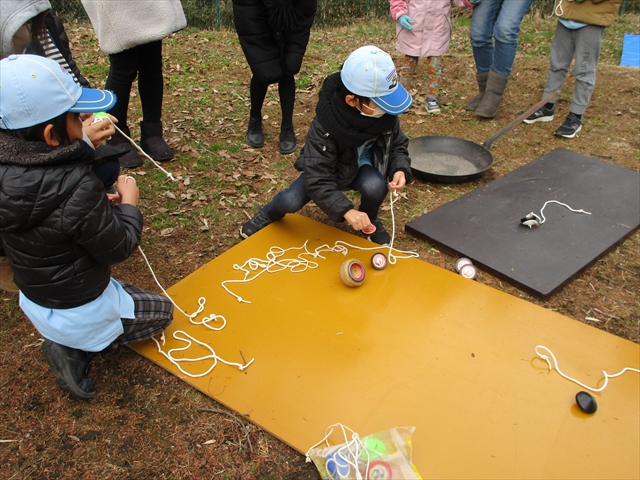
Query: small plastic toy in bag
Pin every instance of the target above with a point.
(385, 455)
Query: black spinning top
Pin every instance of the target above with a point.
(586, 402)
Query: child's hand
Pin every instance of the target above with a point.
(357, 219)
(399, 181)
(128, 190)
(98, 131)
(114, 198)
(405, 22)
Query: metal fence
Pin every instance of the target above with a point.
(217, 14)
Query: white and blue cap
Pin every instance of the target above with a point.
(370, 72)
(35, 89)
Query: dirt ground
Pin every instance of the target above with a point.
(146, 423)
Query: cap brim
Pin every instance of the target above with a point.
(93, 100)
(395, 103)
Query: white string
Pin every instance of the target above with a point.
(349, 452)
(559, 203)
(555, 365)
(168, 174)
(273, 262)
(189, 340)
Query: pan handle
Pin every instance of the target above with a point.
(519, 120)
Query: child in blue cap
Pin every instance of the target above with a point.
(60, 231)
(354, 143)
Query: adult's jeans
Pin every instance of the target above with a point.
(369, 183)
(495, 25)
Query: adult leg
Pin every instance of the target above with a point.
(505, 32)
(151, 88)
(483, 20)
(153, 313)
(122, 72)
(257, 93)
(287, 92)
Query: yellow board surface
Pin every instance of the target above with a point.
(413, 345)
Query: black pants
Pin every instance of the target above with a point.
(145, 62)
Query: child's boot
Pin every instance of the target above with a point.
(70, 367)
(152, 142)
(481, 79)
(6, 277)
(287, 140)
(496, 85)
(131, 158)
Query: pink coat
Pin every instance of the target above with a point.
(431, 26)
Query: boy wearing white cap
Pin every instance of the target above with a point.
(354, 143)
(59, 229)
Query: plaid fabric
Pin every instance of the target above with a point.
(153, 313)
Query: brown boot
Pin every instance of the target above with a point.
(6, 277)
(481, 78)
(496, 85)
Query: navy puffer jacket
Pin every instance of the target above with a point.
(58, 228)
(274, 35)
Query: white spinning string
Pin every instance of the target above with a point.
(254, 267)
(168, 174)
(349, 452)
(189, 339)
(559, 203)
(555, 365)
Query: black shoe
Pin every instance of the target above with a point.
(258, 222)
(570, 127)
(70, 367)
(255, 138)
(129, 155)
(543, 114)
(287, 140)
(380, 236)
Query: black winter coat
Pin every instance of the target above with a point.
(329, 166)
(58, 228)
(271, 49)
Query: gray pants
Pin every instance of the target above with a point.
(582, 44)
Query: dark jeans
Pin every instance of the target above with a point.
(369, 183)
(145, 62)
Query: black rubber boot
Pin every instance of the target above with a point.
(130, 158)
(287, 140)
(70, 366)
(481, 79)
(255, 138)
(496, 85)
(153, 143)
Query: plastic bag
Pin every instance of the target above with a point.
(384, 455)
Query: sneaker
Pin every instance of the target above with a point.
(255, 137)
(287, 140)
(380, 235)
(432, 105)
(257, 223)
(543, 114)
(70, 367)
(570, 127)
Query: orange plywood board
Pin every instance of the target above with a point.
(414, 345)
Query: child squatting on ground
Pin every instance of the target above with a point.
(423, 29)
(578, 36)
(60, 230)
(354, 143)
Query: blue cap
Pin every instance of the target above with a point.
(35, 89)
(370, 72)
